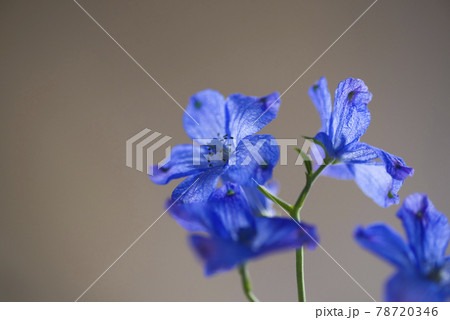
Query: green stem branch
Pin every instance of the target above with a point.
(286, 206)
(310, 179)
(294, 212)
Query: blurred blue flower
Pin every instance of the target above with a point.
(224, 132)
(342, 127)
(423, 271)
(233, 234)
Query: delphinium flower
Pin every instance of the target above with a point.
(225, 132)
(232, 234)
(342, 127)
(423, 270)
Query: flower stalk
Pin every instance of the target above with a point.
(283, 204)
(311, 177)
(294, 212)
(247, 284)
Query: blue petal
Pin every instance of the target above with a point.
(181, 164)
(226, 214)
(245, 165)
(321, 98)
(445, 277)
(412, 287)
(274, 234)
(376, 183)
(340, 171)
(230, 216)
(207, 108)
(395, 166)
(427, 229)
(189, 216)
(219, 255)
(385, 242)
(247, 115)
(350, 117)
(324, 139)
(357, 152)
(199, 187)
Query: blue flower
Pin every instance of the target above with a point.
(224, 131)
(233, 234)
(423, 271)
(342, 127)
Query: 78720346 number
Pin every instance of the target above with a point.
(407, 311)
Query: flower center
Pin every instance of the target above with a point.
(351, 95)
(246, 234)
(220, 149)
(436, 275)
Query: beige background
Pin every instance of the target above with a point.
(70, 98)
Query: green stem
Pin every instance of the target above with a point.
(286, 206)
(299, 267)
(246, 284)
(294, 212)
(310, 179)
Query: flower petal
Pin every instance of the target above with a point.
(376, 183)
(207, 108)
(340, 171)
(428, 231)
(254, 158)
(226, 214)
(358, 152)
(185, 160)
(218, 255)
(350, 117)
(274, 234)
(325, 145)
(395, 166)
(387, 243)
(230, 216)
(199, 187)
(321, 98)
(412, 287)
(189, 216)
(247, 115)
(445, 277)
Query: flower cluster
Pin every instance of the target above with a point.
(233, 223)
(237, 217)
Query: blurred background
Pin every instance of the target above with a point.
(70, 98)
